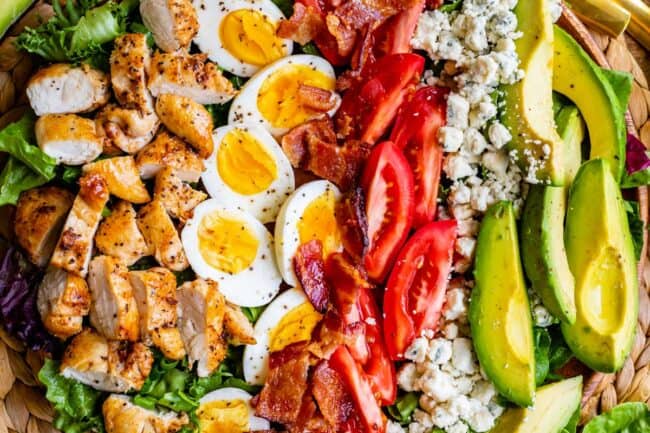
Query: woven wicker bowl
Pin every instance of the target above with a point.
(23, 408)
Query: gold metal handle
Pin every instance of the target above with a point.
(639, 26)
(604, 15)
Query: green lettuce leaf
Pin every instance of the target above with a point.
(636, 226)
(15, 178)
(403, 408)
(624, 418)
(621, 83)
(542, 348)
(16, 139)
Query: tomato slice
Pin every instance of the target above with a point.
(395, 34)
(370, 413)
(416, 133)
(415, 291)
(324, 40)
(368, 109)
(388, 183)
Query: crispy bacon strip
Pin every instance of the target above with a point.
(317, 99)
(303, 26)
(351, 218)
(310, 270)
(333, 398)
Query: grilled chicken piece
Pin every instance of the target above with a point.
(122, 416)
(128, 129)
(118, 235)
(113, 366)
(187, 119)
(130, 62)
(114, 312)
(63, 300)
(155, 293)
(189, 75)
(122, 177)
(63, 88)
(239, 329)
(72, 252)
(173, 22)
(40, 214)
(178, 198)
(201, 310)
(161, 236)
(68, 138)
(169, 151)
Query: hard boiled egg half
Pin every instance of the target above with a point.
(240, 35)
(289, 319)
(248, 170)
(231, 247)
(228, 410)
(271, 97)
(306, 215)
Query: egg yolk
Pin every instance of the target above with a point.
(318, 221)
(295, 326)
(244, 164)
(278, 99)
(250, 37)
(226, 244)
(224, 416)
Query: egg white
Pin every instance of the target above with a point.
(253, 286)
(229, 394)
(287, 236)
(212, 12)
(264, 205)
(256, 356)
(244, 106)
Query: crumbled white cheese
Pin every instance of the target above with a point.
(417, 351)
(457, 111)
(393, 427)
(406, 377)
(462, 356)
(440, 351)
(451, 138)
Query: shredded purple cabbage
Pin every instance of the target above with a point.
(18, 289)
(636, 158)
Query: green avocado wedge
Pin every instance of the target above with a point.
(601, 258)
(10, 11)
(554, 405)
(499, 311)
(576, 76)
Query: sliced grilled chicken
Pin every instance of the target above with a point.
(178, 198)
(130, 62)
(121, 415)
(122, 177)
(128, 129)
(187, 119)
(169, 151)
(119, 236)
(63, 88)
(68, 138)
(40, 214)
(173, 22)
(161, 236)
(201, 310)
(155, 293)
(112, 366)
(75, 245)
(113, 312)
(189, 75)
(63, 300)
(239, 329)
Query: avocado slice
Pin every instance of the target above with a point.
(542, 226)
(576, 76)
(10, 11)
(499, 313)
(601, 258)
(554, 406)
(528, 109)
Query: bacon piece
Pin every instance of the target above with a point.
(310, 269)
(309, 419)
(303, 26)
(333, 398)
(351, 217)
(316, 98)
(289, 353)
(296, 141)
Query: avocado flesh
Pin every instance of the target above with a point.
(542, 226)
(528, 109)
(554, 405)
(576, 76)
(601, 258)
(499, 312)
(10, 11)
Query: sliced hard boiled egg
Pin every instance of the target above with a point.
(306, 215)
(249, 171)
(271, 97)
(289, 319)
(240, 35)
(228, 410)
(231, 247)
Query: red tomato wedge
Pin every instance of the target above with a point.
(370, 413)
(368, 109)
(415, 291)
(394, 36)
(416, 133)
(388, 183)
